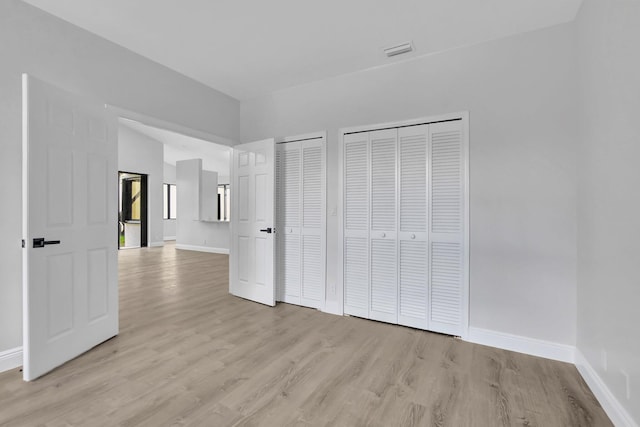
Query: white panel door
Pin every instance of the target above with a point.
(70, 273)
(447, 227)
(356, 224)
(251, 259)
(412, 236)
(383, 304)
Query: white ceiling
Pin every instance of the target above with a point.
(215, 157)
(252, 47)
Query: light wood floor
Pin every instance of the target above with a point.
(191, 354)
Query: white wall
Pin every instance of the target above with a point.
(609, 194)
(192, 233)
(55, 51)
(138, 153)
(169, 225)
(520, 93)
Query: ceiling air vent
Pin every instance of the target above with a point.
(398, 49)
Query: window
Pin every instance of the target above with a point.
(223, 202)
(170, 201)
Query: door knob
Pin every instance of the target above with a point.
(266, 230)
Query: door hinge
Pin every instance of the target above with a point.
(23, 243)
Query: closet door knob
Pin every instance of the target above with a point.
(413, 236)
(384, 234)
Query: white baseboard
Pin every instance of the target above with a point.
(167, 238)
(10, 359)
(202, 249)
(616, 412)
(520, 344)
(156, 244)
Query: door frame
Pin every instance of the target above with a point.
(144, 208)
(299, 138)
(337, 306)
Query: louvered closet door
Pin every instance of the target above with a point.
(288, 228)
(313, 244)
(412, 237)
(356, 224)
(383, 233)
(447, 227)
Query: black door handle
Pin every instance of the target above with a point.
(39, 242)
(266, 230)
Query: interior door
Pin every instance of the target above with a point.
(252, 219)
(70, 273)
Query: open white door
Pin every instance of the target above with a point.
(70, 272)
(251, 260)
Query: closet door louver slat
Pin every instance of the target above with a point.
(291, 268)
(383, 234)
(312, 271)
(313, 214)
(312, 188)
(446, 227)
(356, 224)
(413, 284)
(288, 222)
(413, 279)
(384, 280)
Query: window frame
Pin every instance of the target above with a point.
(166, 189)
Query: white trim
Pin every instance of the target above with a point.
(616, 412)
(410, 122)
(337, 306)
(313, 135)
(202, 249)
(466, 304)
(167, 238)
(10, 359)
(156, 244)
(521, 344)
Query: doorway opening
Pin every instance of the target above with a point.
(132, 210)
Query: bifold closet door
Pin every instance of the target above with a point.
(356, 224)
(383, 233)
(404, 226)
(447, 227)
(313, 233)
(300, 230)
(413, 279)
(288, 179)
